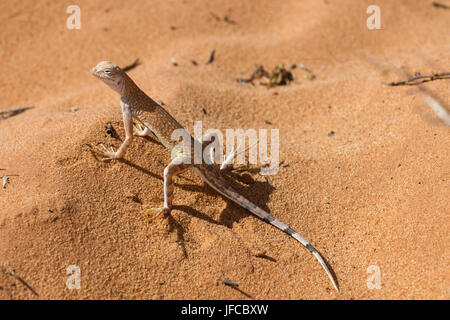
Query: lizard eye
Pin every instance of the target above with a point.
(107, 71)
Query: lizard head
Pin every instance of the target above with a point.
(109, 73)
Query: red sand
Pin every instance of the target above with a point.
(374, 193)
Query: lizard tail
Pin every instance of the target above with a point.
(216, 183)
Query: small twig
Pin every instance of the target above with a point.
(228, 20)
(215, 16)
(311, 75)
(131, 66)
(211, 57)
(15, 275)
(235, 286)
(305, 68)
(12, 112)
(431, 99)
(440, 5)
(258, 73)
(419, 79)
(225, 18)
(230, 283)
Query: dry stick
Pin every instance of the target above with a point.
(215, 16)
(431, 99)
(235, 286)
(419, 79)
(312, 76)
(228, 20)
(440, 5)
(12, 112)
(211, 57)
(15, 275)
(230, 283)
(258, 73)
(131, 66)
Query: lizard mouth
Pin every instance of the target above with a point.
(94, 72)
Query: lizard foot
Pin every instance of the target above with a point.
(100, 152)
(152, 213)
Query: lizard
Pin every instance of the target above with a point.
(157, 121)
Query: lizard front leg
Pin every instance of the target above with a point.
(104, 154)
(227, 163)
(175, 167)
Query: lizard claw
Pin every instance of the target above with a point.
(153, 213)
(101, 152)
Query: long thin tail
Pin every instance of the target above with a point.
(211, 178)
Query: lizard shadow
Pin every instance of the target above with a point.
(175, 225)
(142, 169)
(247, 187)
(239, 179)
(257, 192)
(233, 212)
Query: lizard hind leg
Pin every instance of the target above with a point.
(176, 166)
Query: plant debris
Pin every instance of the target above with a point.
(310, 75)
(211, 57)
(236, 287)
(440, 5)
(215, 16)
(15, 275)
(225, 18)
(4, 114)
(195, 63)
(436, 103)
(280, 76)
(419, 79)
(284, 164)
(228, 20)
(230, 283)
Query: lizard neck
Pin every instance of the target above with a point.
(127, 87)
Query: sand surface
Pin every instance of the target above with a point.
(374, 193)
